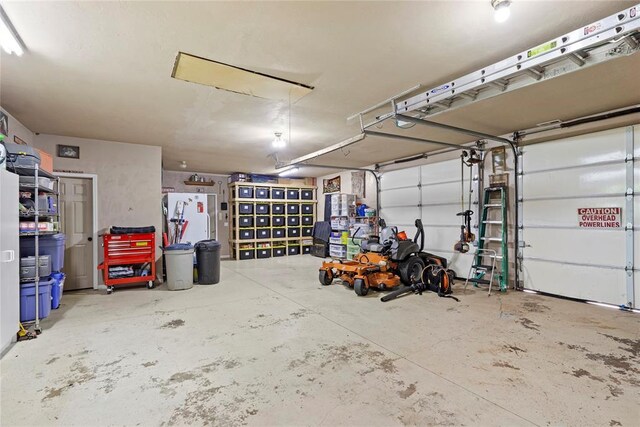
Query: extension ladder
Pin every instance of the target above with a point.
(492, 231)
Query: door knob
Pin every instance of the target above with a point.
(90, 239)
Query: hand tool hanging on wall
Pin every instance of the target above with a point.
(466, 236)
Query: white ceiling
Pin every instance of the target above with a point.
(102, 70)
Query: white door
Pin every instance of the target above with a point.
(76, 200)
(572, 248)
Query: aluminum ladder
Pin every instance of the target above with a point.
(492, 241)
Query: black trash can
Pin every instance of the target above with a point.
(208, 260)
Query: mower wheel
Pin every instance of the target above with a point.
(326, 277)
(360, 287)
(411, 270)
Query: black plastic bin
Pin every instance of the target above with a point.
(208, 259)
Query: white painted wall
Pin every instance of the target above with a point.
(129, 179)
(345, 187)
(18, 129)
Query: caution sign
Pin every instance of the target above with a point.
(600, 217)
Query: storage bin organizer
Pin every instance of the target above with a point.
(28, 300)
(279, 233)
(307, 220)
(28, 267)
(245, 193)
(246, 208)
(278, 208)
(307, 209)
(264, 234)
(246, 221)
(279, 252)
(293, 250)
(247, 253)
(262, 221)
(48, 245)
(277, 193)
(262, 209)
(262, 193)
(293, 232)
(263, 253)
(306, 194)
(278, 221)
(293, 194)
(246, 234)
(293, 220)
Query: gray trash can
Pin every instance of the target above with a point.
(179, 259)
(208, 259)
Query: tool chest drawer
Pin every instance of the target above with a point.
(124, 246)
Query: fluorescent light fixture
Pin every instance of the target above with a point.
(501, 10)
(278, 141)
(289, 171)
(9, 39)
(404, 125)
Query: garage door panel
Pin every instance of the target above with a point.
(608, 179)
(576, 282)
(563, 212)
(603, 247)
(444, 193)
(442, 171)
(580, 150)
(400, 178)
(400, 197)
(400, 216)
(441, 215)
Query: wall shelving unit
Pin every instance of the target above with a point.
(271, 220)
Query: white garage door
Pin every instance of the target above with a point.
(431, 193)
(574, 194)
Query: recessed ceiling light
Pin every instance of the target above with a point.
(278, 141)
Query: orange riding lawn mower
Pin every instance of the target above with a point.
(388, 261)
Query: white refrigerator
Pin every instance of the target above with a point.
(195, 212)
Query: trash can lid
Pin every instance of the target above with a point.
(178, 247)
(208, 244)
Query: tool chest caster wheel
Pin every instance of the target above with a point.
(149, 284)
(109, 289)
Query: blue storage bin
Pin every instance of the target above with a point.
(56, 289)
(52, 245)
(28, 300)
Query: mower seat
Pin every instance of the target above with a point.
(371, 246)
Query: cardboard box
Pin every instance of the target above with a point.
(46, 161)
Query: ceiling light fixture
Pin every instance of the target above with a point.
(9, 38)
(183, 164)
(289, 171)
(501, 10)
(279, 141)
(404, 125)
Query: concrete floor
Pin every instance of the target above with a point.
(270, 346)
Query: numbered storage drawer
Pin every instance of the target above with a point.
(247, 253)
(306, 194)
(263, 253)
(293, 221)
(263, 233)
(307, 209)
(293, 232)
(277, 193)
(246, 234)
(293, 194)
(262, 209)
(262, 193)
(279, 252)
(262, 221)
(245, 192)
(246, 208)
(307, 220)
(246, 221)
(306, 250)
(293, 209)
(307, 231)
(293, 250)
(279, 233)
(278, 221)
(278, 209)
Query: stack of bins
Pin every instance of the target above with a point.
(50, 285)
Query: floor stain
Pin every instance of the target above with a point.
(148, 364)
(529, 324)
(579, 373)
(614, 423)
(52, 360)
(631, 346)
(408, 392)
(505, 365)
(176, 323)
(615, 391)
(514, 349)
(535, 307)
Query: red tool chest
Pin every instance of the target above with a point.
(128, 258)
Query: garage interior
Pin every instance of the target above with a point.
(320, 213)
